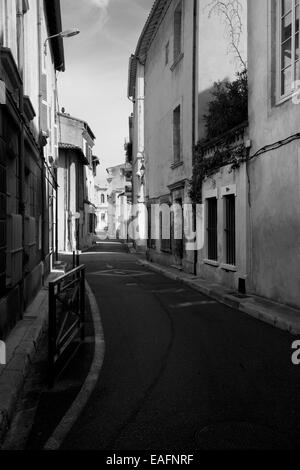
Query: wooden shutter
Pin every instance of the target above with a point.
(14, 249)
(2, 219)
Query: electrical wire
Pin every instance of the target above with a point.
(275, 146)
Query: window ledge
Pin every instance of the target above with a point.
(210, 262)
(177, 60)
(229, 267)
(176, 165)
(284, 99)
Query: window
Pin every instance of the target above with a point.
(92, 223)
(230, 229)
(212, 229)
(32, 195)
(88, 153)
(151, 225)
(165, 228)
(178, 31)
(167, 51)
(102, 199)
(177, 134)
(289, 45)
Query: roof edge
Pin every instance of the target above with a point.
(157, 13)
(82, 121)
(54, 23)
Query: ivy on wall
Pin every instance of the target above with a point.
(207, 166)
(224, 121)
(229, 106)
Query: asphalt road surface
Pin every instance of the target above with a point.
(182, 372)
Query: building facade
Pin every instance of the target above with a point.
(161, 86)
(118, 209)
(28, 149)
(248, 211)
(274, 112)
(180, 55)
(101, 208)
(222, 254)
(76, 174)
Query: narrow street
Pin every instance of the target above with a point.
(173, 126)
(182, 371)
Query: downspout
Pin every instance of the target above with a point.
(56, 214)
(56, 178)
(140, 112)
(6, 23)
(20, 53)
(43, 176)
(195, 96)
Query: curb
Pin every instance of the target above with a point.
(277, 315)
(21, 346)
(70, 418)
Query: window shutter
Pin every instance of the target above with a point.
(14, 249)
(2, 221)
(30, 240)
(44, 86)
(44, 117)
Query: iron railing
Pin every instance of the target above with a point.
(66, 318)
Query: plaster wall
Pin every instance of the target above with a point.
(274, 175)
(166, 87)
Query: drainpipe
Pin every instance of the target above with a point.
(20, 37)
(20, 53)
(195, 97)
(43, 175)
(141, 184)
(56, 214)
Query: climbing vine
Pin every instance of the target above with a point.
(205, 167)
(229, 106)
(227, 114)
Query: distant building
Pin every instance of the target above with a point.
(76, 181)
(118, 211)
(101, 197)
(28, 150)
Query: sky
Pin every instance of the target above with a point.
(94, 85)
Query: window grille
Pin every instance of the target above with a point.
(212, 229)
(230, 230)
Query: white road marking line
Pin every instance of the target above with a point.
(168, 291)
(112, 272)
(193, 304)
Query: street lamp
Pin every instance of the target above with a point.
(64, 34)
